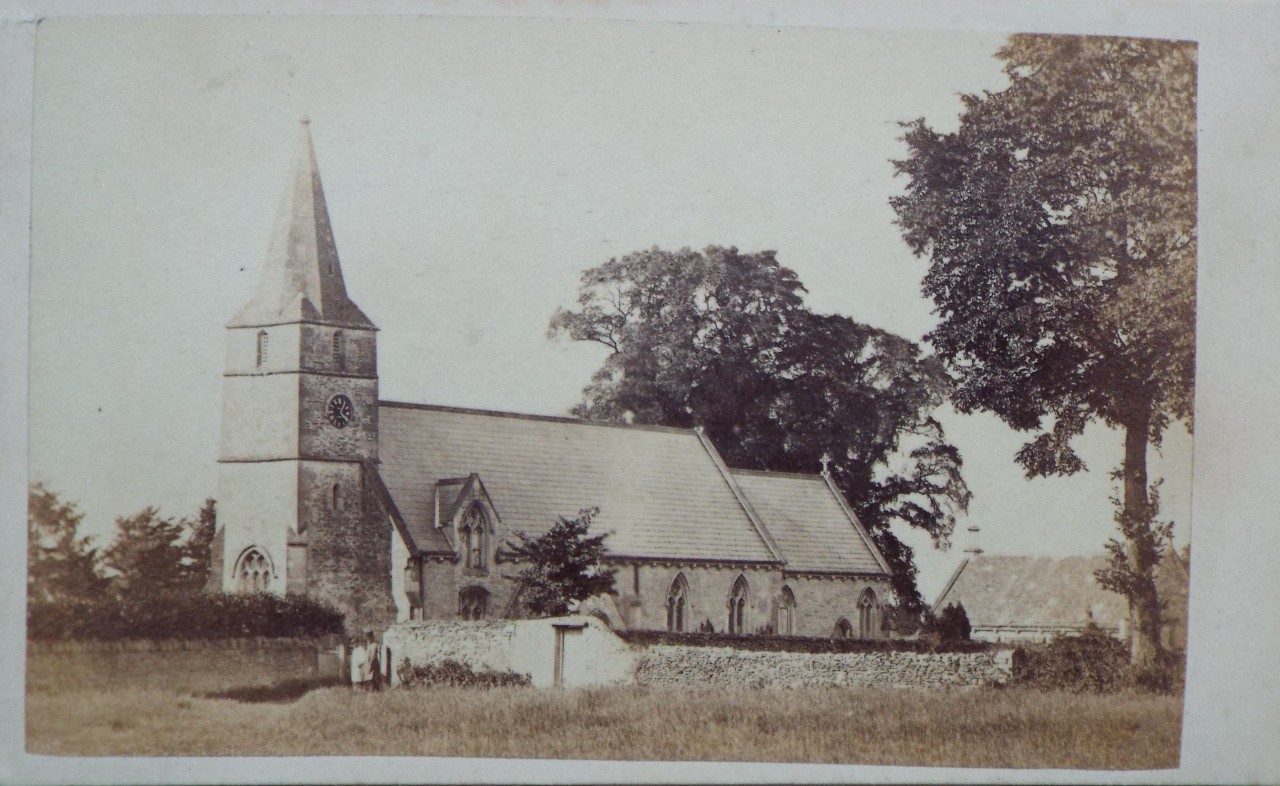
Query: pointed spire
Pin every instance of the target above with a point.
(302, 279)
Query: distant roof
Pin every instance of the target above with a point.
(1015, 591)
(662, 492)
(302, 279)
(808, 523)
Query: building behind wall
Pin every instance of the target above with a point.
(394, 511)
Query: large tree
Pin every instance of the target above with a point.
(722, 340)
(1059, 221)
(62, 564)
(147, 554)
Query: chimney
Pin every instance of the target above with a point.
(973, 549)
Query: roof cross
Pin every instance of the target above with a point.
(826, 463)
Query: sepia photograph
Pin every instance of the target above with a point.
(593, 389)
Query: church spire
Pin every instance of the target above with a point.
(302, 279)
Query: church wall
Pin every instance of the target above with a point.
(356, 358)
(709, 588)
(349, 548)
(253, 427)
(257, 506)
(359, 438)
(821, 602)
(444, 580)
(281, 354)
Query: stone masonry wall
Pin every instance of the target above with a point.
(688, 667)
(596, 656)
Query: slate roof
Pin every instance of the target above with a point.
(302, 280)
(1017, 591)
(662, 492)
(814, 531)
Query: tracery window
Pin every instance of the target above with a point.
(262, 348)
(866, 614)
(473, 534)
(473, 603)
(677, 602)
(253, 572)
(786, 612)
(738, 605)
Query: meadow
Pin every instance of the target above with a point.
(169, 706)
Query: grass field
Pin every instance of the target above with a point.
(174, 710)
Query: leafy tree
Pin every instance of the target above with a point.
(61, 564)
(563, 566)
(197, 546)
(146, 555)
(722, 340)
(953, 623)
(1060, 225)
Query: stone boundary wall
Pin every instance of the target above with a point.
(594, 655)
(723, 667)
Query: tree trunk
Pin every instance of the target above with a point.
(1144, 605)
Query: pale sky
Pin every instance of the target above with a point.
(473, 168)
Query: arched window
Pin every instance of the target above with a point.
(473, 603)
(867, 614)
(336, 500)
(339, 351)
(253, 572)
(473, 536)
(843, 629)
(786, 612)
(738, 605)
(262, 348)
(677, 602)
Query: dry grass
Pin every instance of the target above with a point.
(987, 728)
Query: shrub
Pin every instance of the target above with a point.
(211, 615)
(797, 643)
(451, 673)
(1094, 662)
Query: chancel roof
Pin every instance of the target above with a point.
(1018, 591)
(814, 531)
(662, 493)
(302, 279)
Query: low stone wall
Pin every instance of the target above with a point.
(588, 652)
(682, 666)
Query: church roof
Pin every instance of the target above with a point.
(302, 279)
(813, 529)
(662, 492)
(1018, 591)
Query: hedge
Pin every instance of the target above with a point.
(451, 673)
(1094, 662)
(775, 643)
(182, 616)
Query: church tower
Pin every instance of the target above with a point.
(300, 422)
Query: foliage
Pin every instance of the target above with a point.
(181, 615)
(146, 554)
(1060, 225)
(722, 340)
(151, 554)
(452, 674)
(61, 564)
(563, 566)
(1094, 662)
(811, 644)
(951, 625)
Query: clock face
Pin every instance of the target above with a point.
(340, 411)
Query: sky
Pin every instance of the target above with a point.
(473, 169)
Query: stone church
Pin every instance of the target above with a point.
(393, 511)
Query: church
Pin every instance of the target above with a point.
(392, 511)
